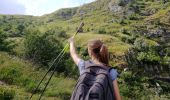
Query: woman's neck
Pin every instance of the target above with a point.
(97, 62)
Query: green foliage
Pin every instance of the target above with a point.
(9, 75)
(24, 77)
(128, 39)
(114, 25)
(13, 75)
(133, 17)
(148, 50)
(4, 44)
(123, 22)
(101, 31)
(148, 57)
(44, 48)
(145, 55)
(41, 48)
(144, 44)
(6, 94)
(134, 86)
(124, 31)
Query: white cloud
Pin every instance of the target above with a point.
(40, 7)
(37, 7)
(33, 7)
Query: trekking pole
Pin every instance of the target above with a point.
(67, 45)
(61, 54)
(50, 77)
(47, 72)
(81, 25)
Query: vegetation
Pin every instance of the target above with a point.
(4, 44)
(135, 31)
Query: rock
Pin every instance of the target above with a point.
(114, 7)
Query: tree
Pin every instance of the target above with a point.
(43, 48)
(4, 44)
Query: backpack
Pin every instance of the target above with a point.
(94, 83)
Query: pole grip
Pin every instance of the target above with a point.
(78, 30)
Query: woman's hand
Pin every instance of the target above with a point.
(71, 40)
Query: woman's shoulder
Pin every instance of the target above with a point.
(113, 73)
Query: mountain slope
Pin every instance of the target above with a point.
(137, 33)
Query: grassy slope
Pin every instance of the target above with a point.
(115, 46)
(94, 20)
(26, 73)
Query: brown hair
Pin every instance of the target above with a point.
(98, 50)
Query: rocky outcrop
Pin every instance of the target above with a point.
(114, 7)
(66, 13)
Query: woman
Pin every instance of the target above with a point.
(99, 55)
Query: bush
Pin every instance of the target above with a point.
(133, 17)
(123, 22)
(9, 75)
(30, 86)
(128, 39)
(44, 48)
(6, 94)
(4, 44)
(58, 33)
(124, 31)
(41, 48)
(147, 56)
(143, 44)
(101, 31)
(134, 86)
(14, 76)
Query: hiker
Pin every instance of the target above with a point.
(87, 87)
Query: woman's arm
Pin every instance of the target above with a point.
(116, 90)
(73, 53)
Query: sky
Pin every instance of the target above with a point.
(37, 7)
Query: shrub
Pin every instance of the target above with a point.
(9, 75)
(41, 48)
(101, 31)
(123, 22)
(6, 94)
(145, 56)
(133, 17)
(4, 44)
(30, 86)
(58, 33)
(44, 48)
(144, 44)
(132, 86)
(124, 31)
(127, 39)
(148, 56)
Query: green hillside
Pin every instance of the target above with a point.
(137, 33)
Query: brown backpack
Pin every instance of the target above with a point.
(94, 83)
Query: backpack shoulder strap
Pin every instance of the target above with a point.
(110, 68)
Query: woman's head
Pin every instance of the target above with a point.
(98, 51)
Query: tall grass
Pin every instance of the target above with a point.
(16, 72)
